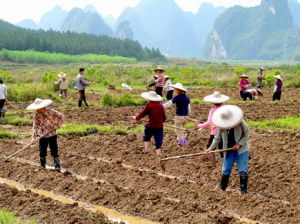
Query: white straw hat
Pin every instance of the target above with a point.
(262, 68)
(278, 77)
(227, 117)
(39, 104)
(244, 76)
(159, 69)
(62, 75)
(166, 76)
(152, 96)
(216, 98)
(178, 86)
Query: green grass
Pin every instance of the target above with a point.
(88, 129)
(114, 100)
(11, 218)
(35, 57)
(17, 121)
(9, 135)
(288, 123)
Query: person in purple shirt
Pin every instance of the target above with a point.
(277, 88)
(244, 85)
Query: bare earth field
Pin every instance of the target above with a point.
(111, 171)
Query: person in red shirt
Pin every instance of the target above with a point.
(154, 127)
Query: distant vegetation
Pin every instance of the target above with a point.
(16, 38)
(34, 57)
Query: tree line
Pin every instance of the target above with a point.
(16, 38)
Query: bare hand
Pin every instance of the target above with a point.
(208, 151)
(236, 147)
(34, 140)
(134, 117)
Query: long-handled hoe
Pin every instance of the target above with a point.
(7, 159)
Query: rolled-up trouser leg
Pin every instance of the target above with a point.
(180, 121)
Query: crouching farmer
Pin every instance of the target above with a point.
(154, 128)
(234, 132)
(45, 123)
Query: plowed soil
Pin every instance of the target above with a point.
(113, 171)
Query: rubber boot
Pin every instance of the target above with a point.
(183, 142)
(43, 161)
(86, 104)
(244, 184)
(57, 163)
(79, 103)
(224, 182)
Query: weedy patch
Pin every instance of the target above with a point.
(10, 218)
(17, 121)
(287, 123)
(9, 135)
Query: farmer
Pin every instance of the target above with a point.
(45, 123)
(63, 85)
(183, 109)
(277, 88)
(160, 82)
(255, 93)
(3, 95)
(234, 133)
(81, 86)
(152, 82)
(156, 113)
(244, 85)
(217, 99)
(260, 77)
(168, 88)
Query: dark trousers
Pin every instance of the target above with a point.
(52, 143)
(157, 133)
(220, 146)
(277, 96)
(159, 90)
(82, 97)
(1, 104)
(244, 95)
(170, 95)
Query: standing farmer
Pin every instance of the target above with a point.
(156, 113)
(234, 133)
(81, 86)
(160, 81)
(168, 88)
(63, 85)
(217, 99)
(277, 88)
(183, 110)
(260, 77)
(3, 95)
(45, 123)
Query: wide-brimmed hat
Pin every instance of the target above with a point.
(39, 104)
(262, 68)
(244, 76)
(152, 96)
(159, 69)
(178, 86)
(216, 98)
(278, 77)
(62, 75)
(227, 117)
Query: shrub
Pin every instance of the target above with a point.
(239, 70)
(114, 100)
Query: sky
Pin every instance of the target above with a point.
(15, 11)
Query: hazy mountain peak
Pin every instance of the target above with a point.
(53, 19)
(90, 8)
(28, 24)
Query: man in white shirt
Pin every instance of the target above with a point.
(3, 95)
(168, 88)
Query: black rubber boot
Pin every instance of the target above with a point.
(79, 103)
(244, 184)
(57, 163)
(43, 161)
(224, 182)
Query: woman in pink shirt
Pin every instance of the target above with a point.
(160, 81)
(244, 85)
(217, 99)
